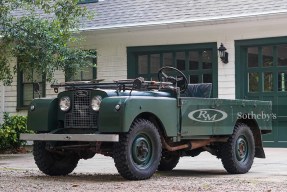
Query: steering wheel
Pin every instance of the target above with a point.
(181, 81)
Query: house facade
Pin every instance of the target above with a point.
(136, 38)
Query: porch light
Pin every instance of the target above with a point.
(223, 54)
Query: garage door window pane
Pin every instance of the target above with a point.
(193, 79)
(282, 81)
(268, 82)
(142, 64)
(193, 60)
(167, 59)
(206, 60)
(253, 82)
(207, 78)
(267, 56)
(282, 55)
(252, 57)
(154, 63)
(180, 61)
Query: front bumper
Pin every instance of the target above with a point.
(70, 137)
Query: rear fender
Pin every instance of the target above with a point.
(252, 123)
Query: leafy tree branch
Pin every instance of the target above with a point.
(40, 38)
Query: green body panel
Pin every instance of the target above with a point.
(164, 108)
(218, 116)
(44, 117)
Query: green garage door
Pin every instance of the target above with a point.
(261, 73)
(197, 61)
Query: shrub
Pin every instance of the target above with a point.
(10, 132)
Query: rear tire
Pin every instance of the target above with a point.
(53, 164)
(238, 153)
(138, 152)
(168, 161)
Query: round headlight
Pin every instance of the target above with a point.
(96, 102)
(65, 103)
(32, 107)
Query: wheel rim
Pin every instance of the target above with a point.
(142, 151)
(242, 149)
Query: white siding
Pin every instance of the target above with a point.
(11, 93)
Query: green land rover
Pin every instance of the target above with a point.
(145, 126)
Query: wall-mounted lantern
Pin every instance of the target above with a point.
(223, 54)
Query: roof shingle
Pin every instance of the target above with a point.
(139, 12)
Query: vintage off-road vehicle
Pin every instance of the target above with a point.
(145, 125)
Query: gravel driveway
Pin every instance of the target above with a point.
(202, 173)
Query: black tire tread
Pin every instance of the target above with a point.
(48, 165)
(228, 157)
(120, 151)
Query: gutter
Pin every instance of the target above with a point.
(190, 22)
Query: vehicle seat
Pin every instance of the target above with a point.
(198, 90)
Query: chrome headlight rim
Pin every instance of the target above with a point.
(65, 103)
(96, 103)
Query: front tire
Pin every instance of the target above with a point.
(53, 164)
(238, 153)
(138, 152)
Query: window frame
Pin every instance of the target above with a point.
(134, 52)
(20, 89)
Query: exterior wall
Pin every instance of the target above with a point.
(112, 56)
(10, 96)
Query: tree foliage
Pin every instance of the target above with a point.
(40, 38)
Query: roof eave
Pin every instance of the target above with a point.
(188, 22)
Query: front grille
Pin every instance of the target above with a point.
(81, 115)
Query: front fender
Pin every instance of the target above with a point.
(43, 117)
(112, 120)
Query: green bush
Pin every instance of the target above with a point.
(10, 131)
